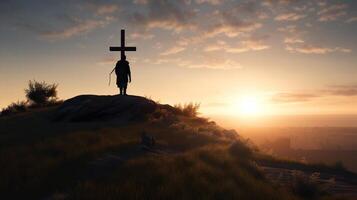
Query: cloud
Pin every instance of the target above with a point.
(169, 15)
(271, 3)
(232, 24)
(162, 61)
(173, 50)
(351, 19)
(57, 20)
(256, 43)
(243, 7)
(321, 3)
(291, 29)
(78, 28)
(140, 35)
(233, 29)
(289, 17)
(211, 61)
(332, 90)
(286, 97)
(293, 36)
(332, 12)
(244, 10)
(312, 49)
(106, 9)
(303, 8)
(251, 44)
(212, 2)
(185, 41)
(143, 2)
(342, 90)
(205, 61)
(293, 40)
(192, 23)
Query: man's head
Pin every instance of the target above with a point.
(124, 57)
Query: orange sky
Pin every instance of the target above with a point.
(236, 58)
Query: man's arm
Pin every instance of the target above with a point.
(129, 74)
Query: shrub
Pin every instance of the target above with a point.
(339, 166)
(163, 115)
(241, 149)
(307, 186)
(189, 110)
(19, 106)
(41, 93)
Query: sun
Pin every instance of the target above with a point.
(250, 105)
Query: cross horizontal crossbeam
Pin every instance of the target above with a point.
(122, 48)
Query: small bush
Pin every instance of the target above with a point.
(163, 116)
(41, 93)
(19, 106)
(241, 149)
(189, 110)
(307, 186)
(339, 166)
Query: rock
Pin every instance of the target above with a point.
(147, 140)
(104, 108)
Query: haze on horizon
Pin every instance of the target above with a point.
(237, 58)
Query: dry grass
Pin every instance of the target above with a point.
(189, 109)
(209, 172)
(40, 93)
(13, 108)
(42, 159)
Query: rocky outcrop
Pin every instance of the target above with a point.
(105, 108)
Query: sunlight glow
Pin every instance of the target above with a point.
(250, 105)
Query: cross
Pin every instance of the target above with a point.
(122, 48)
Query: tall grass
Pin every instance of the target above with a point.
(17, 107)
(196, 160)
(307, 186)
(189, 109)
(206, 173)
(38, 94)
(195, 166)
(41, 93)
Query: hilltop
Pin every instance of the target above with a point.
(131, 147)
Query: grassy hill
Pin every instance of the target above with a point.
(90, 147)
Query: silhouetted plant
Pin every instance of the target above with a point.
(190, 109)
(41, 93)
(307, 186)
(339, 166)
(17, 107)
(241, 149)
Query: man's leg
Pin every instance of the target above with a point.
(124, 87)
(121, 90)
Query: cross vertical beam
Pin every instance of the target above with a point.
(122, 48)
(122, 43)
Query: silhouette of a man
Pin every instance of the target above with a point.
(122, 70)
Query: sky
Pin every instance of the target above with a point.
(234, 57)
